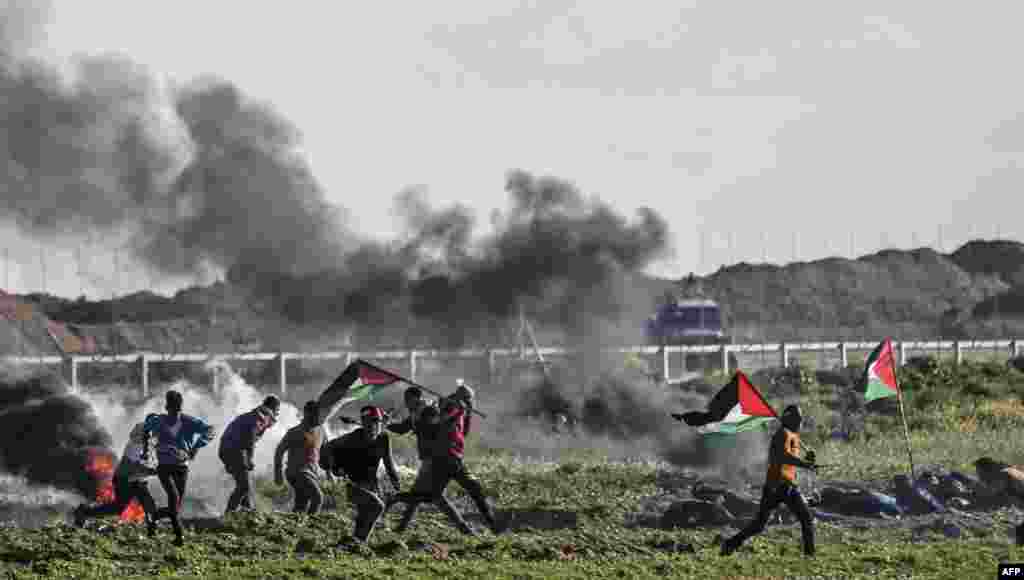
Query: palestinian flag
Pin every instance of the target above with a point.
(880, 373)
(738, 407)
(359, 381)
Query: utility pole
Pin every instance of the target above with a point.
(113, 300)
(42, 266)
(78, 269)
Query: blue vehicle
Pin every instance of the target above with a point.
(693, 320)
(688, 321)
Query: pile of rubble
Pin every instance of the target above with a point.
(934, 491)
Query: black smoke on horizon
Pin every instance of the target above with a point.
(203, 175)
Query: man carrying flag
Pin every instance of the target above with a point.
(739, 407)
(359, 381)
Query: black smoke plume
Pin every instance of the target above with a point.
(47, 432)
(204, 175)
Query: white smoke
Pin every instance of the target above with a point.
(218, 404)
(27, 504)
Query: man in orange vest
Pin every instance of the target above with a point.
(780, 484)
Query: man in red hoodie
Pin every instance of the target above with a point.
(448, 453)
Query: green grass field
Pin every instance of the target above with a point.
(957, 415)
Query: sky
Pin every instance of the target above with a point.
(761, 131)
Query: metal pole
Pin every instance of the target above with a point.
(282, 370)
(906, 429)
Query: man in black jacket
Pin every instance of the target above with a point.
(358, 456)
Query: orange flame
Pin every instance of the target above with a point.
(100, 466)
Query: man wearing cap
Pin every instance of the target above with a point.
(238, 445)
(358, 456)
(303, 444)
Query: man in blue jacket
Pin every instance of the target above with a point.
(238, 444)
(179, 438)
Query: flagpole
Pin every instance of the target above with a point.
(903, 415)
(415, 384)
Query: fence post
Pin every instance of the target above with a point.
(902, 348)
(282, 372)
(144, 374)
(492, 366)
(958, 352)
(71, 367)
(412, 365)
(725, 359)
(844, 359)
(1014, 348)
(784, 349)
(664, 364)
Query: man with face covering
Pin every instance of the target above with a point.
(780, 484)
(303, 444)
(358, 456)
(238, 445)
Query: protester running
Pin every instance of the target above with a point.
(418, 422)
(780, 484)
(179, 438)
(238, 445)
(130, 483)
(358, 456)
(303, 444)
(447, 463)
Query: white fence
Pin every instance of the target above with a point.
(782, 354)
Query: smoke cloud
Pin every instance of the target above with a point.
(205, 176)
(47, 432)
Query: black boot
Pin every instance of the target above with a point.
(79, 516)
(729, 546)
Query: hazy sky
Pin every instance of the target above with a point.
(776, 129)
